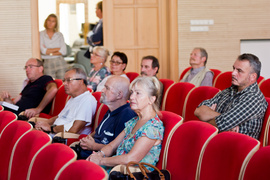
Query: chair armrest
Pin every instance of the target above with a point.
(67, 135)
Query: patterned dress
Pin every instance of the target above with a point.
(152, 129)
(95, 77)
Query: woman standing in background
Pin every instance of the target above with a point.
(53, 48)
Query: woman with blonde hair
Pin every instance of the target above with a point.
(141, 139)
(53, 48)
(100, 70)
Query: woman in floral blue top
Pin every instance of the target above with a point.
(141, 139)
(99, 71)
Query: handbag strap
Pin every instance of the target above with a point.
(161, 175)
(141, 168)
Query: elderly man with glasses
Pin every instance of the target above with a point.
(76, 117)
(38, 92)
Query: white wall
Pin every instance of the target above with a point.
(261, 49)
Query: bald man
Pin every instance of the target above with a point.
(115, 95)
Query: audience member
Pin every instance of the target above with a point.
(146, 130)
(198, 75)
(79, 110)
(118, 64)
(241, 107)
(53, 48)
(37, 93)
(99, 71)
(150, 67)
(115, 95)
(95, 37)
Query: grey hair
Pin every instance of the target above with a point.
(152, 86)
(80, 74)
(102, 51)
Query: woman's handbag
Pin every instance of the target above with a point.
(144, 173)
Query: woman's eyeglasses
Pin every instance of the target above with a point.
(115, 62)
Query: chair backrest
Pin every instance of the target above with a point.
(1, 108)
(6, 117)
(171, 122)
(265, 87)
(183, 73)
(263, 138)
(58, 82)
(101, 111)
(226, 155)
(166, 84)
(50, 162)
(82, 170)
(175, 96)
(223, 80)
(260, 79)
(10, 135)
(24, 151)
(258, 166)
(83, 61)
(132, 75)
(194, 98)
(186, 147)
(97, 95)
(216, 73)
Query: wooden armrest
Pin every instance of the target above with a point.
(67, 135)
(36, 119)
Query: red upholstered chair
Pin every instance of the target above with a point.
(1, 108)
(263, 138)
(9, 137)
(175, 96)
(100, 114)
(166, 84)
(83, 170)
(183, 73)
(171, 122)
(186, 148)
(226, 155)
(260, 79)
(223, 80)
(58, 82)
(58, 103)
(24, 151)
(259, 165)
(6, 117)
(132, 75)
(216, 73)
(194, 98)
(50, 162)
(265, 87)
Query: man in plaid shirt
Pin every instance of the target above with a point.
(242, 106)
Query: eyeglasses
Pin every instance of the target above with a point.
(71, 79)
(30, 66)
(95, 54)
(115, 62)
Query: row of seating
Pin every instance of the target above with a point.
(29, 154)
(194, 150)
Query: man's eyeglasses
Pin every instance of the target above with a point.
(30, 66)
(71, 79)
(115, 62)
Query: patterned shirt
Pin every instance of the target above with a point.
(245, 109)
(95, 77)
(152, 129)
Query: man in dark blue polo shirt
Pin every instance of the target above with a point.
(115, 95)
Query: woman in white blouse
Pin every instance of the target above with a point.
(53, 48)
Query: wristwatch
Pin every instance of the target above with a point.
(52, 126)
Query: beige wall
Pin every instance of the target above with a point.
(15, 43)
(233, 21)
